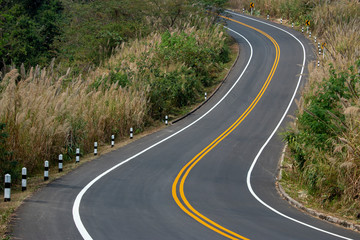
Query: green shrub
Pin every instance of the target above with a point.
(324, 144)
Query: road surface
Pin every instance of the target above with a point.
(226, 192)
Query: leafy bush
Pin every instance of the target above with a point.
(177, 65)
(186, 49)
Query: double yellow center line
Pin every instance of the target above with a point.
(182, 175)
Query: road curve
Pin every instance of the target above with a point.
(136, 199)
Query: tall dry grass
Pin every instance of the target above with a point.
(46, 114)
(338, 24)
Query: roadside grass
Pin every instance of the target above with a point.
(297, 188)
(36, 182)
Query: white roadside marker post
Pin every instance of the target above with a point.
(112, 140)
(318, 63)
(95, 148)
(23, 178)
(131, 133)
(77, 155)
(46, 171)
(166, 120)
(205, 96)
(60, 163)
(7, 189)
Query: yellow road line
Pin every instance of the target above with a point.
(188, 167)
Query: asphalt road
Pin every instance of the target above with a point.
(136, 199)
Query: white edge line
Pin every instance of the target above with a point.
(76, 207)
(248, 178)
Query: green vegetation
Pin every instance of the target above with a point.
(27, 31)
(119, 64)
(176, 65)
(323, 143)
(82, 34)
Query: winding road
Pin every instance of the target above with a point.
(209, 176)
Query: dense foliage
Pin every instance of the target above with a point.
(27, 31)
(82, 34)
